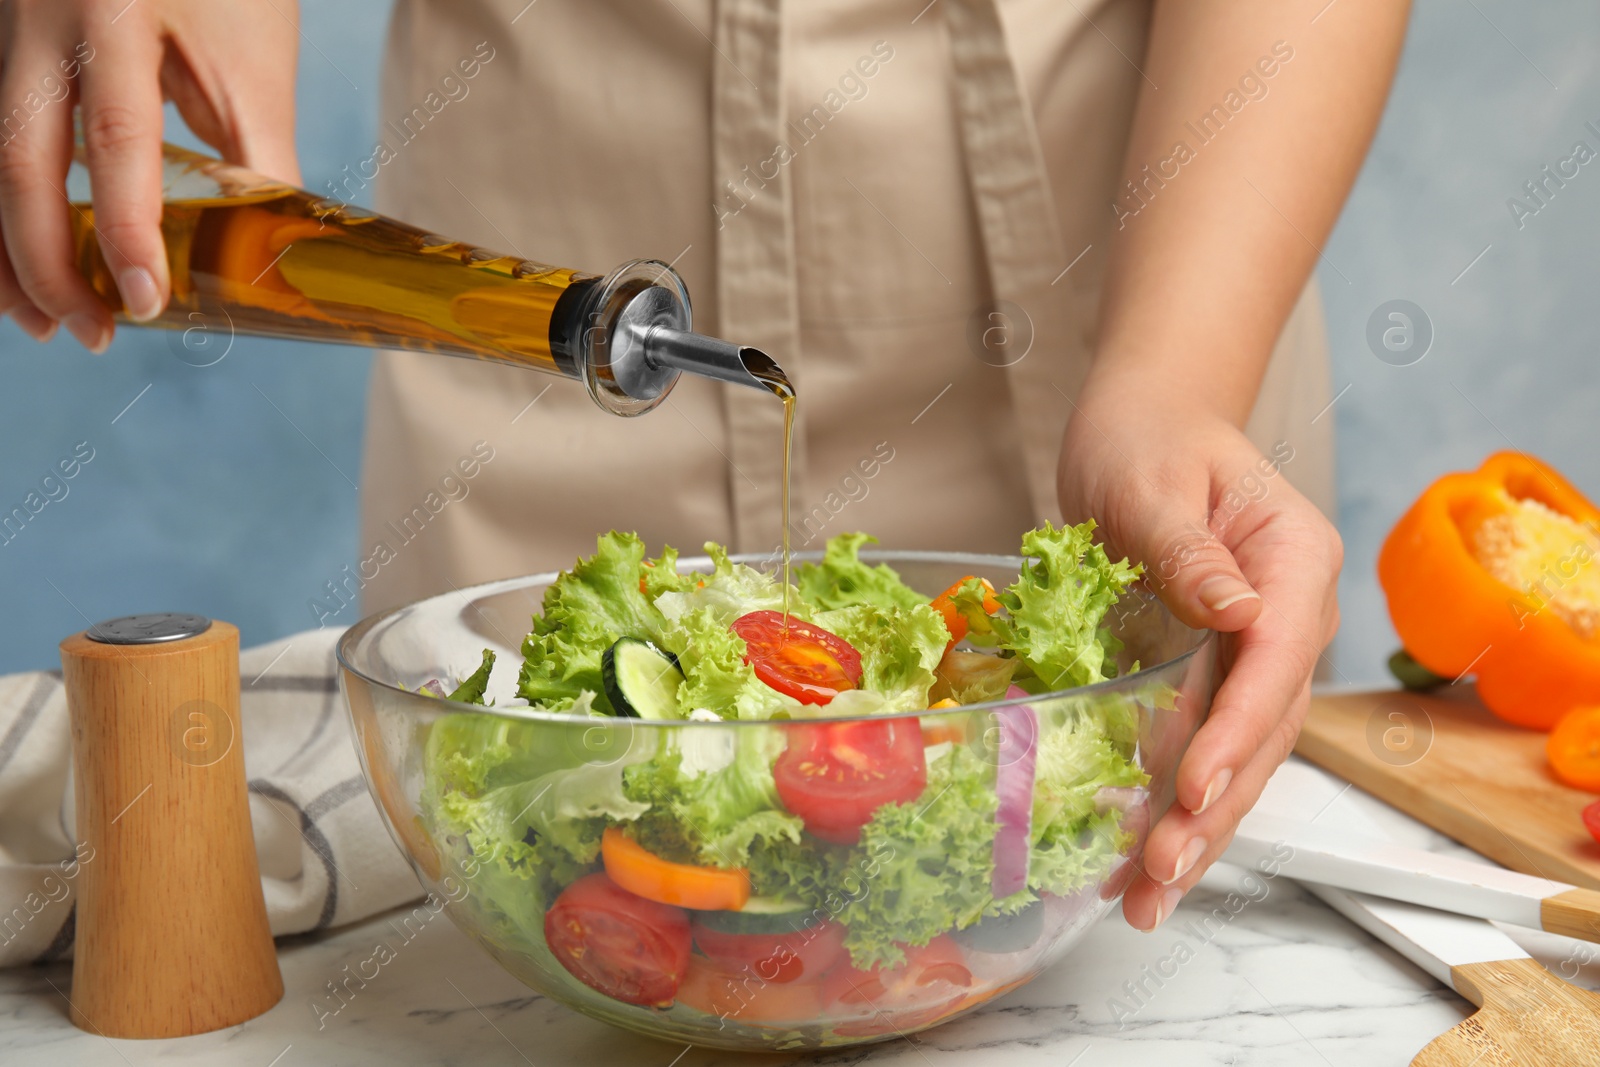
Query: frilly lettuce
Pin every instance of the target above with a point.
(841, 580)
(899, 646)
(586, 610)
(712, 807)
(1085, 746)
(1056, 607)
(523, 806)
(715, 676)
(922, 867)
(729, 591)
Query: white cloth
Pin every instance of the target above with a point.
(326, 857)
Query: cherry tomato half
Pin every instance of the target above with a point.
(629, 948)
(933, 982)
(796, 658)
(783, 957)
(834, 775)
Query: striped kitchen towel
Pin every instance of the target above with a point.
(326, 857)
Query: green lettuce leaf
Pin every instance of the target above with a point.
(474, 685)
(715, 676)
(841, 580)
(729, 591)
(711, 797)
(922, 867)
(1057, 606)
(1084, 746)
(586, 610)
(521, 806)
(900, 648)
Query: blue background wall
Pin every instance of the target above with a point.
(228, 489)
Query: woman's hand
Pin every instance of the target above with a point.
(1203, 269)
(229, 68)
(1166, 481)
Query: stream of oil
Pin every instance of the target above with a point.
(771, 375)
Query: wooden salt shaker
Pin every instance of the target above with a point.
(172, 935)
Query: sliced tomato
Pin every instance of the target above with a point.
(631, 949)
(733, 994)
(933, 982)
(954, 621)
(642, 872)
(797, 658)
(834, 775)
(1591, 820)
(787, 957)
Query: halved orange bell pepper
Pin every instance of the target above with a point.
(1492, 572)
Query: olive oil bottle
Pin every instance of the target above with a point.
(249, 255)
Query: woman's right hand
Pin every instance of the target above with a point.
(229, 68)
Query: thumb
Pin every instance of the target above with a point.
(1193, 572)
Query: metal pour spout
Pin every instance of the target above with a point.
(710, 357)
(629, 335)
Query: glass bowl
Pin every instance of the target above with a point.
(450, 780)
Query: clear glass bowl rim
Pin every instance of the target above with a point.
(356, 632)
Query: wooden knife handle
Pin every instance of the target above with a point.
(1575, 913)
(1527, 1017)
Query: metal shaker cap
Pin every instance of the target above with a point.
(151, 628)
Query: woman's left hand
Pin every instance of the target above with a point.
(1166, 481)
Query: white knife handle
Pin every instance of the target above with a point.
(1364, 865)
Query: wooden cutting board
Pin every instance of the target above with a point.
(1448, 762)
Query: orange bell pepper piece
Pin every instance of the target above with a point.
(954, 620)
(1574, 749)
(1492, 572)
(645, 874)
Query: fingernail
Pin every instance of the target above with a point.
(1187, 859)
(35, 323)
(140, 297)
(1166, 905)
(1222, 591)
(1214, 790)
(88, 330)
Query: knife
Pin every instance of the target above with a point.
(1527, 1016)
(1335, 844)
(1363, 863)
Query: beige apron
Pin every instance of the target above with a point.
(908, 206)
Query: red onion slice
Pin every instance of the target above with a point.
(435, 687)
(1015, 757)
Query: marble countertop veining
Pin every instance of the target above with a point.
(1236, 976)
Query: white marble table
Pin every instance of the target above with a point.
(1286, 981)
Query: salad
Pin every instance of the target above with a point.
(839, 860)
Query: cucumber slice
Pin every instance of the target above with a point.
(641, 681)
(760, 915)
